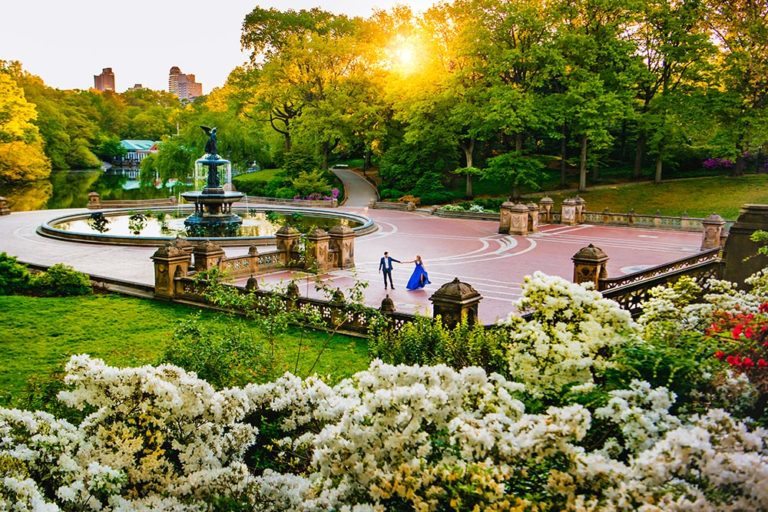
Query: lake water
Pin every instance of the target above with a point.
(69, 189)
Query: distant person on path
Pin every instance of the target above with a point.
(419, 278)
(385, 265)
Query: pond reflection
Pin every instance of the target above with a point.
(69, 189)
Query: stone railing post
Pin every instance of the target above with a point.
(518, 222)
(581, 209)
(4, 210)
(505, 216)
(713, 232)
(207, 256)
(455, 302)
(740, 254)
(287, 241)
(170, 262)
(545, 205)
(590, 265)
(317, 251)
(253, 259)
(533, 218)
(568, 212)
(343, 240)
(94, 201)
(387, 306)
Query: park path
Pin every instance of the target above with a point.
(471, 250)
(358, 191)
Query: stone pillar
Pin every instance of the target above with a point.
(533, 218)
(545, 205)
(343, 240)
(287, 240)
(183, 244)
(207, 255)
(94, 201)
(581, 209)
(4, 210)
(740, 254)
(713, 232)
(410, 206)
(568, 212)
(518, 222)
(253, 259)
(590, 265)
(505, 216)
(252, 284)
(456, 301)
(170, 262)
(317, 251)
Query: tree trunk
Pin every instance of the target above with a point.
(637, 171)
(583, 165)
(596, 169)
(563, 156)
(518, 142)
(366, 160)
(468, 149)
(657, 177)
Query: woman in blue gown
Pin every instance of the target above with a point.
(419, 278)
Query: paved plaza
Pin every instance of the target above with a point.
(471, 250)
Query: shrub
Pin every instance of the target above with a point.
(437, 197)
(14, 277)
(223, 357)
(61, 281)
(391, 193)
(427, 341)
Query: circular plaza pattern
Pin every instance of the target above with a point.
(471, 250)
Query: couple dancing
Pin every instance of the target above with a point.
(418, 279)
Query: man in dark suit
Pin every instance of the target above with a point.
(385, 265)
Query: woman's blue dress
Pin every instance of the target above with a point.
(419, 278)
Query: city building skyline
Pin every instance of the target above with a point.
(64, 55)
(184, 86)
(104, 81)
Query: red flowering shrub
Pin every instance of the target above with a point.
(745, 343)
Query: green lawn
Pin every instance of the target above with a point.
(262, 175)
(38, 336)
(697, 197)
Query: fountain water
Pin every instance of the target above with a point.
(213, 205)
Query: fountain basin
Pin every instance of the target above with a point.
(76, 227)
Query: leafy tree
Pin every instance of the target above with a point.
(307, 183)
(739, 27)
(21, 151)
(517, 169)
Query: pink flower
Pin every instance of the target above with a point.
(762, 363)
(747, 362)
(720, 354)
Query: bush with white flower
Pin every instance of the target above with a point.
(427, 438)
(570, 338)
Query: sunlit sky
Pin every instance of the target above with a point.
(66, 42)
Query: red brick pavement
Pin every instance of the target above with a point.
(493, 264)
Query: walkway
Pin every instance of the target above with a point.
(471, 250)
(357, 190)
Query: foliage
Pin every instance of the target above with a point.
(14, 277)
(570, 338)
(61, 281)
(516, 169)
(311, 182)
(220, 354)
(428, 342)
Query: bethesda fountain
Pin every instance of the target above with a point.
(213, 205)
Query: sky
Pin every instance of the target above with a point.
(66, 42)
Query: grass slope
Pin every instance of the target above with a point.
(38, 335)
(696, 197)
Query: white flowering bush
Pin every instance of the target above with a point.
(426, 438)
(571, 336)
